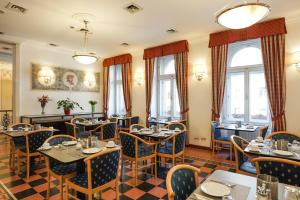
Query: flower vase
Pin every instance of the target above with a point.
(43, 105)
(93, 108)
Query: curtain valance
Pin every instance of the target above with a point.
(267, 28)
(121, 59)
(166, 49)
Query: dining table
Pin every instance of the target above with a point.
(266, 150)
(242, 187)
(72, 154)
(89, 125)
(161, 134)
(22, 133)
(236, 129)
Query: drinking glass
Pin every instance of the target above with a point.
(290, 193)
(267, 187)
(93, 141)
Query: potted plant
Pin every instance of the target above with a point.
(93, 103)
(68, 105)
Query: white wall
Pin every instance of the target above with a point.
(48, 56)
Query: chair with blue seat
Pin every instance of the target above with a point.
(57, 169)
(181, 181)
(17, 142)
(75, 131)
(128, 122)
(34, 140)
(263, 131)
(287, 171)
(242, 160)
(176, 125)
(78, 119)
(219, 139)
(173, 148)
(102, 173)
(106, 131)
(136, 127)
(135, 149)
(284, 135)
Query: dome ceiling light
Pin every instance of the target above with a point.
(243, 15)
(85, 57)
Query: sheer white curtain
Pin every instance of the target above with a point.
(116, 98)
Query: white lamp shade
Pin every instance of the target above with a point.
(85, 58)
(243, 16)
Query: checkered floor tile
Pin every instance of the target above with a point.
(147, 188)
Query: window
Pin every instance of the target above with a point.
(116, 98)
(245, 94)
(164, 102)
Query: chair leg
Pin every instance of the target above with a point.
(67, 192)
(136, 172)
(61, 188)
(19, 163)
(155, 167)
(213, 147)
(90, 196)
(28, 167)
(48, 186)
(117, 189)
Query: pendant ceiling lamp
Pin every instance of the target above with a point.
(85, 57)
(243, 15)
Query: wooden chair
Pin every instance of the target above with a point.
(78, 119)
(102, 173)
(173, 148)
(56, 169)
(263, 131)
(181, 181)
(176, 125)
(287, 171)
(34, 140)
(138, 150)
(73, 130)
(129, 122)
(218, 139)
(285, 135)
(106, 132)
(242, 165)
(17, 143)
(136, 126)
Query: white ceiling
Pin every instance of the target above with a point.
(49, 21)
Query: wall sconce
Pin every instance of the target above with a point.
(46, 76)
(139, 78)
(89, 80)
(295, 59)
(199, 71)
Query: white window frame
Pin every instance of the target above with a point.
(161, 77)
(246, 70)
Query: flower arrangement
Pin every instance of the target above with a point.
(43, 100)
(93, 103)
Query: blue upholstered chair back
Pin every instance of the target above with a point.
(183, 183)
(104, 168)
(137, 127)
(285, 136)
(37, 138)
(70, 129)
(20, 125)
(175, 125)
(109, 130)
(216, 131)
(238, 142)
(180, 142)
(55, 140)
(128, 144)
(286, 173)
(134, 120)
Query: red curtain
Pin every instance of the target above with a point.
(105, 90)
(121, 59)
(267, 28)
(219, 66)
(273, 50)
(126, 84)
(149, 70)
(181, 72)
